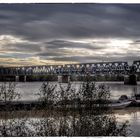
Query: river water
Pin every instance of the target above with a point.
(29, 90)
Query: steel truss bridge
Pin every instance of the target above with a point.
(74, 69)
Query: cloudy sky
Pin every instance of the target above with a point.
(38, 34)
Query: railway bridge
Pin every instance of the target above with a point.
(79, 69)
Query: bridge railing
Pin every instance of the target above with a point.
(95, 68)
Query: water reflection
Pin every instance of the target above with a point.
(131, 114)
(72, 123)
(23, 119)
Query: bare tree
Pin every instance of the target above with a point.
(8, 92)
(46, 93)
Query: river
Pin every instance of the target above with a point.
(28, 90)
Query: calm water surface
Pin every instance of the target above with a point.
(133, 116)
(28, 90)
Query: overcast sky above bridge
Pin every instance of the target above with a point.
(38, 34)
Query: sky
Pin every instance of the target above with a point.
(44, 34)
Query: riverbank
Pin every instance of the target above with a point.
(129, 111)
(66, 105)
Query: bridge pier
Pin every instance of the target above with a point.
(59, 79)
(64, 79)
(130, 79)
(25, 78)
(21, 78)
(17, 78)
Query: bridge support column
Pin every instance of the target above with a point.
(130, 79)
(60, 79)
(17, 78)
(64, 79)
(68, 79)
(25, 78)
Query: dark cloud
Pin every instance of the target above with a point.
(45, 21)
(61, 48)
(22, 47)
(79, 58)
(87, 59)
(56, 44)
(51, 31)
